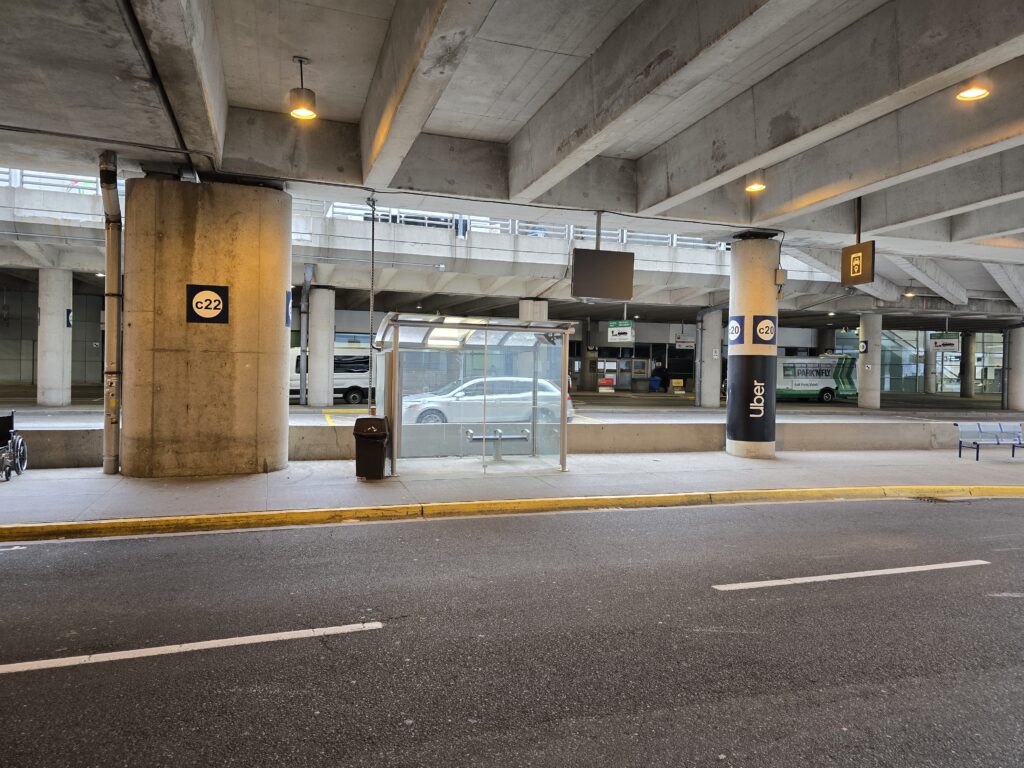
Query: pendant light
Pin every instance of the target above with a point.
(302, 100)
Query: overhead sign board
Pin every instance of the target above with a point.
(684, 343)
(602, 274)
(945, 342)
(858, 264)
(621, 331)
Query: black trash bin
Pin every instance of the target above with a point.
(372, 435)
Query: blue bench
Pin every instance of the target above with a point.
(976, 434)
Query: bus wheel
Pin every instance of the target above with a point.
(354, 396)
(826, 395)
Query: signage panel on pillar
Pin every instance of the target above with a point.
(862, 347)
(858, 264)
(735, 329)
(602, 274)
(764, 329)
(206, 304)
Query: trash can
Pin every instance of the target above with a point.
(372, 435)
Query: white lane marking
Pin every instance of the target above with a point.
(1005, 594)
(10, 549)
(163, 650)
(851, 575)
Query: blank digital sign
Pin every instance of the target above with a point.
(602, 274)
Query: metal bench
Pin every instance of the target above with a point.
(496, 438)
(976, 434)
(13, 451)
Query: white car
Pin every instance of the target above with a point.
(501, 399)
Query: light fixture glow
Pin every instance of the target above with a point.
(100, 274)
(302, 100)
(973, 93)
(756, 186)
(909, 294)
(636, 317)
(831, 314)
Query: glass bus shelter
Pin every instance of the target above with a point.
(487, 390)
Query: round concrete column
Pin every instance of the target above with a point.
(752, 332)
(320, 393)
(53, 364)
(1015, 369)
(968, 359)
(207, 276)
(930, 361)
(869, 364)
(711, 360)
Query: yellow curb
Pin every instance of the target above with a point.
(147, 526)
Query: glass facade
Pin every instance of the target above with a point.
(903, 362)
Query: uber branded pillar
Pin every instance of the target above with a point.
(751, 332)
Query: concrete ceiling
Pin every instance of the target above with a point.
(658, 108)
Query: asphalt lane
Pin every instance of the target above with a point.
(576, 639)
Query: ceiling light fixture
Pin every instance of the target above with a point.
(100, 274)
(909, 294)
(302, 100)
(831, 314)
(973, 92)
(755, 183)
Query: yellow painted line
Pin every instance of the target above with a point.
(330, 421)
(147, 526)
(328, 411)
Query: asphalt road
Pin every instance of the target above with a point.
(588, 639)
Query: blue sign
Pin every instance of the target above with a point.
(765, 327)
(735, 329)
(288, 309)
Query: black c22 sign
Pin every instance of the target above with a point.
(206, 303)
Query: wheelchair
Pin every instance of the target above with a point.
(13, 453)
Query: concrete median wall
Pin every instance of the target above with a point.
(58, 448)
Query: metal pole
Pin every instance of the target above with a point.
(597, 237)
(112, 298)
(563, 432)
(372, 202)
(307, 281)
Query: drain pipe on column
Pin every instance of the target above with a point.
(112, 298)
(307, 282)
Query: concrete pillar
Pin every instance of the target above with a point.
(206, 277)
(1014, 363)
(710, 368)
(320, 392)
(968, 350)
(53, 363)
(753, 329)
(826, 340)
(533, 309)
(869, 364)
(930, 362)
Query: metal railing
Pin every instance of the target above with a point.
(305, 211)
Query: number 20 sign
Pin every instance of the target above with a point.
(206, 303)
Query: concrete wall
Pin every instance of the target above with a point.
(83, 447)
(205, 398)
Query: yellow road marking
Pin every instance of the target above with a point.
(328, 411)
(147, 526)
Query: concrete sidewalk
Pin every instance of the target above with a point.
(64, 495)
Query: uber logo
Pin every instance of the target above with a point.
(764, 329)
(736, 329)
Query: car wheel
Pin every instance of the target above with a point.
(431, 417)
(826, 395)
(354, 396)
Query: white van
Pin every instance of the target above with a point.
(351, 374)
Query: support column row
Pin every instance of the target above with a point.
(53, 366)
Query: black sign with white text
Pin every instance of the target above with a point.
(751, 398)
(206, 303)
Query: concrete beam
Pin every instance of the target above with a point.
(877, 65)
(275, 145)
(930, 135)
(182, 38)
(994, 221)
(426, 41)
(933, 276)
(452, 166)
(1011, 281)
(961, 189)
(661, 52)
(830, 263)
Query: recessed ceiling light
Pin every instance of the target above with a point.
(831, 314)
(100, 274)
(973, 93)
